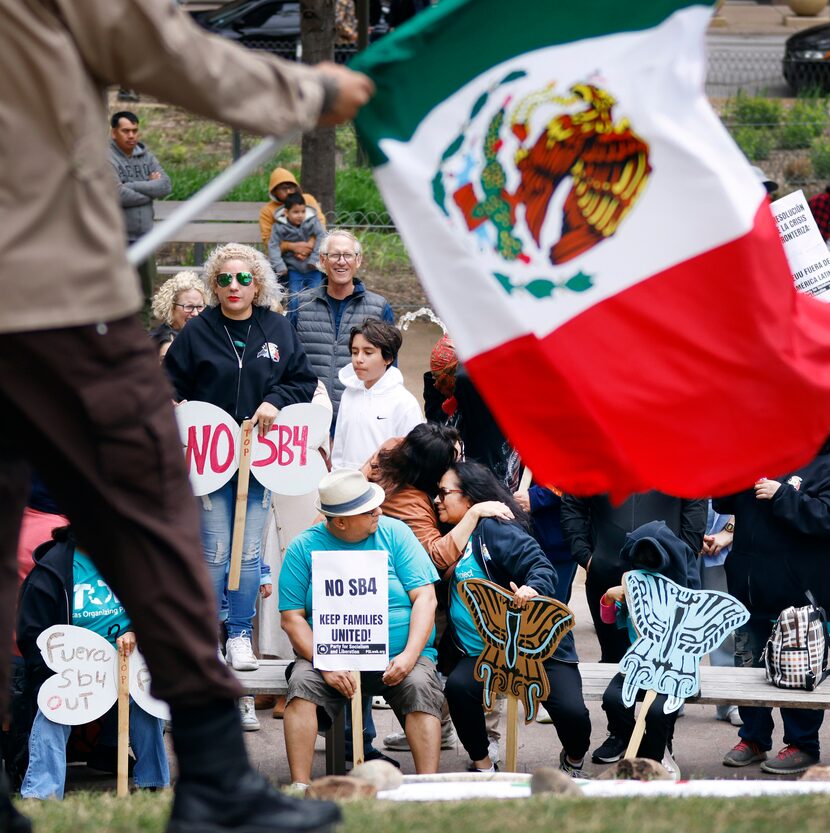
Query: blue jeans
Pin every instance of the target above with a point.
(217, 512)
(298, 281)
(46, 775)
(801, 726)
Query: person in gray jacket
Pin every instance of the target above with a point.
(141, 179)
(324, 317)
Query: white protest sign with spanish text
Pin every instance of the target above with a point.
(803, 244)
(350, 610)
(85, 684)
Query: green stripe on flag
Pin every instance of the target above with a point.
(441, 49)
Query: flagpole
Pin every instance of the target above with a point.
(211, 193)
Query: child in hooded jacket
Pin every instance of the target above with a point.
(296, 222)
(375, 405)
(653, 547)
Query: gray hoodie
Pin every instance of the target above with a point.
(136, 190)
(283, 230)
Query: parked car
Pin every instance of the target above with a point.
(807, 59)
(273, 25)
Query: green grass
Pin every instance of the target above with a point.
(140, 813)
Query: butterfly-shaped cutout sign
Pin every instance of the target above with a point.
(285, 460)
(84, 686)
(516, 642)
(676, 627)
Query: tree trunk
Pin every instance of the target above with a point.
(317, 35)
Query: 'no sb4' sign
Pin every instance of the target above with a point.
(285, 460)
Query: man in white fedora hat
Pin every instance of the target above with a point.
(353, 521)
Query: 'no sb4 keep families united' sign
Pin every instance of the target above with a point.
(350, 610)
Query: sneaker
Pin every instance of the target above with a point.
(670, 765)
(574, 770)
(239, 654)
(379, 702)
(248, 714)
(789, 761)
(397, 742)
(611, 750)
(375, 755)
(542, 716)
(729, 714)
(744, 753)
(492, 751)
(471, 767)
(252, 806)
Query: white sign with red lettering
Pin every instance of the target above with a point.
(84, 686)
(210, 438)
(286, 460)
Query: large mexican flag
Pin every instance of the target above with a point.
(596, 244)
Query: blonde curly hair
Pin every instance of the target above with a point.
(269, 291)
(168, 294)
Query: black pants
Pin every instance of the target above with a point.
(621, 720)
(613, 641)
(90, 409)
(565, 705)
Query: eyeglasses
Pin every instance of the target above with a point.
(243, 278)
(349, 257)
(190, 308)
(442, 492)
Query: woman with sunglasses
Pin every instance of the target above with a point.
(506, 553)
(178, 299)
(247, 360)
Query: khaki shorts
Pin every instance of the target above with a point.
(419, 691)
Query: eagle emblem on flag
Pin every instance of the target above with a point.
(516, 642)
(541, 150)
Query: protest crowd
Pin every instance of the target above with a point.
(431, 481)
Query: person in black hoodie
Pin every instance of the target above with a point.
(505, 553)
(779, 551)
(653, 547)
(595, 531)
(247, 360)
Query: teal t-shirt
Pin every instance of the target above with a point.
(94, 605)
(409, 567)
(465, 629)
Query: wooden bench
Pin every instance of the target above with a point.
(222, 222)
(718, 686)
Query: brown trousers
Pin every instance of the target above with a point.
(89, 408)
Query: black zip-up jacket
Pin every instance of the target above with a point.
(781, 546)
(45, 600)
(203, 365)
(508, 553)
(595, 529)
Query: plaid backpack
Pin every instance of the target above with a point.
(796, 654)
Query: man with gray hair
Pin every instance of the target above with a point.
(324, 317)
(351, 506)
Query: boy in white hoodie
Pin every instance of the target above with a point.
(375, 405)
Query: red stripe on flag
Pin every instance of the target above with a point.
(696, 381)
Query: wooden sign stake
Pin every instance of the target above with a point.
(640, 725)
(357, 721)
(122, 789)
(512, 742)
(241, 505)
